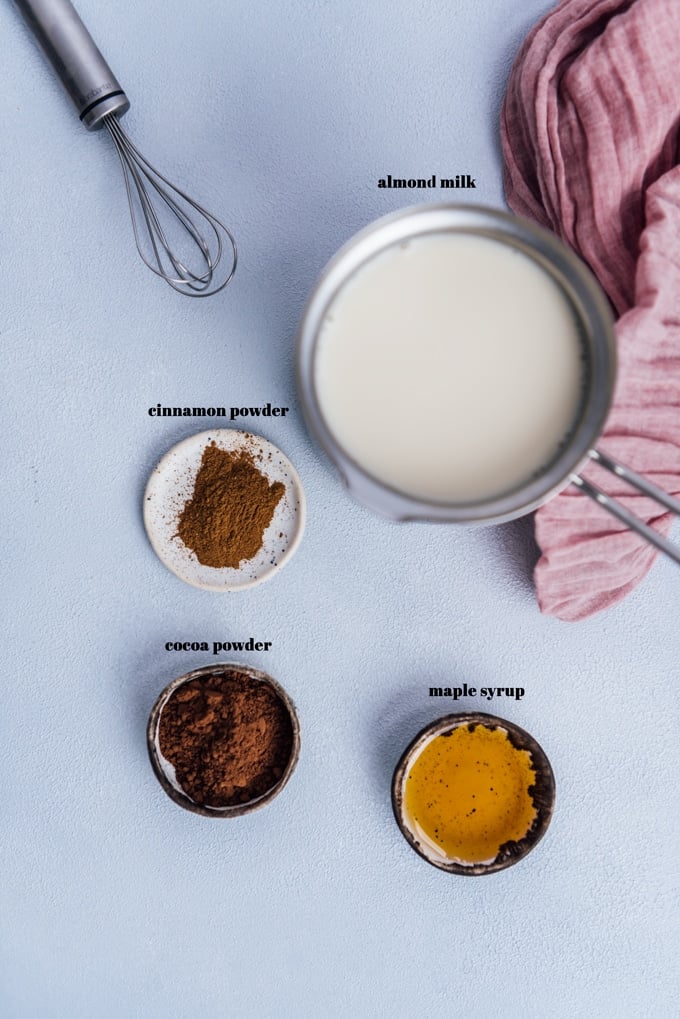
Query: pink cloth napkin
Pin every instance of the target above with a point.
(590, 132)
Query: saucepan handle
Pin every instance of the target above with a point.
(642, 485)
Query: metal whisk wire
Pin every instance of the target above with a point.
(140, 176)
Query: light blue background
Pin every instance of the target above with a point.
(113, 901)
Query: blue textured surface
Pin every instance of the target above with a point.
(114, 902)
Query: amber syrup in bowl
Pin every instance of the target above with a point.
(473, 793)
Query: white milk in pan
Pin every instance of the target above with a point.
(449, 367)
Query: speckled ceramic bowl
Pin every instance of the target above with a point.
(171, 485)
(165, 772)
(542, 793)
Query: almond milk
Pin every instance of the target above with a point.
(449, 367)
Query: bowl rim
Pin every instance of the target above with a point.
(544, 796)
(173, 791)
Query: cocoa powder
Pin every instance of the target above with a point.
(231, 507)
(228, 736)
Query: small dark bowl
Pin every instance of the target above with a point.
(542, 792)
(160, 766)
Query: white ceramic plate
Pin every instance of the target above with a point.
(171, 485)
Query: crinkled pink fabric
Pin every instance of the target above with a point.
(590, 132)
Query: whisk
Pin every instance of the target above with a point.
(178, 239)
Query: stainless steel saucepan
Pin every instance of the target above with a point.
(595, 324)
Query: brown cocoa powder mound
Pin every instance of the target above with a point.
(228, 736)
(231, 507)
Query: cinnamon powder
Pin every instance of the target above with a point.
(231, 507)
(228, 736)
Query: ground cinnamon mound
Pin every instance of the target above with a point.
(231, 507)
(228, 736)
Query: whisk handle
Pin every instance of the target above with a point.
(69, 47)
